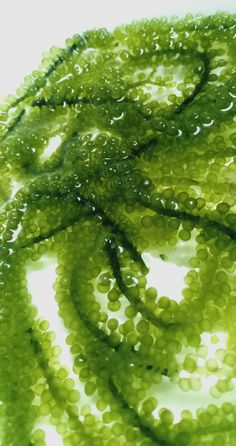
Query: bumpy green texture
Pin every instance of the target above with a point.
(145, 163)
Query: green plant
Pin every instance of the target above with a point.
(145, 124)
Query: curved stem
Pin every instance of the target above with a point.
(111, 249)
(136, 419)
(196, 219)
(44, 365)
(199, 87)
(99, 335)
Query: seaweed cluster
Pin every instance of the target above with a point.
(143, 119)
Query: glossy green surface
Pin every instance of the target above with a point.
(145, 119)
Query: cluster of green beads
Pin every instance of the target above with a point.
(145, 163)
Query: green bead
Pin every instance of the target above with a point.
(222, 208)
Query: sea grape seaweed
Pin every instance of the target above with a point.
(144, 122)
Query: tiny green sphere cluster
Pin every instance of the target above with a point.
(143, 128)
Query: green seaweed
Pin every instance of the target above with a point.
(145, 163)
